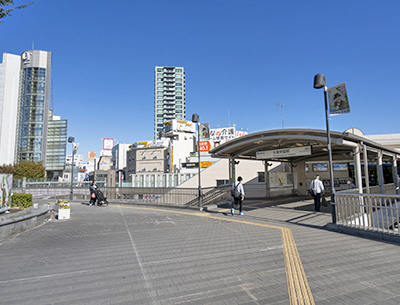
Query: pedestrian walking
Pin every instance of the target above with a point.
(318, 189)
(238, 195)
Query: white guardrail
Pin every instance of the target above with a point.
(373, 212)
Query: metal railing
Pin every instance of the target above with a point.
(159, 196)
(43, 183)
(373, 212)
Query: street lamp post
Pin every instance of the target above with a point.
(196, 119)
(71, 140)
(320, 82)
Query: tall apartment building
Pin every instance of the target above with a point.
(169, 96)
(9, 80)
(33, 106)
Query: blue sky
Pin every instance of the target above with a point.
(241, 57)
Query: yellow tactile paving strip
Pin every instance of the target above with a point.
(298, 286)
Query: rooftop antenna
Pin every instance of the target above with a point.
(282, 104)
(33, 45)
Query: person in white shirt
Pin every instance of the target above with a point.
(238, 188)
(318, 188)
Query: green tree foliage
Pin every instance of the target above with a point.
(29, 169)
(7, 169)
(5, 10)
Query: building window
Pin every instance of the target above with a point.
(222, 182)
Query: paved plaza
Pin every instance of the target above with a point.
(278, 252)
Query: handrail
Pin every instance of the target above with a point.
(158, 195)
(374, 212)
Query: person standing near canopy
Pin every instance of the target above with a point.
(318, 189)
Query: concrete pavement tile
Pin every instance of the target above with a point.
(127, 251)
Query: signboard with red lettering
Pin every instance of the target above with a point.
(108, 144)
(204, 146)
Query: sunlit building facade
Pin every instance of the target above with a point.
(169, 96)
(56, 146)
(9, 80)
(33, 106)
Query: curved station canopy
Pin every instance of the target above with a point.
(342, 145)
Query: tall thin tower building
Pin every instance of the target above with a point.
(33, 106)
(169, 96)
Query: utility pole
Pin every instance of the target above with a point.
(282, 104)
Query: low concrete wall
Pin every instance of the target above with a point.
(15, 223)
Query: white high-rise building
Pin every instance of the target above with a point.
(9, 82)
(169, 96)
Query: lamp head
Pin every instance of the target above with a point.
(71, 139)
(195, 118)
(319, 81)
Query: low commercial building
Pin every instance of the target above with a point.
(148, 156)
(182, 142)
